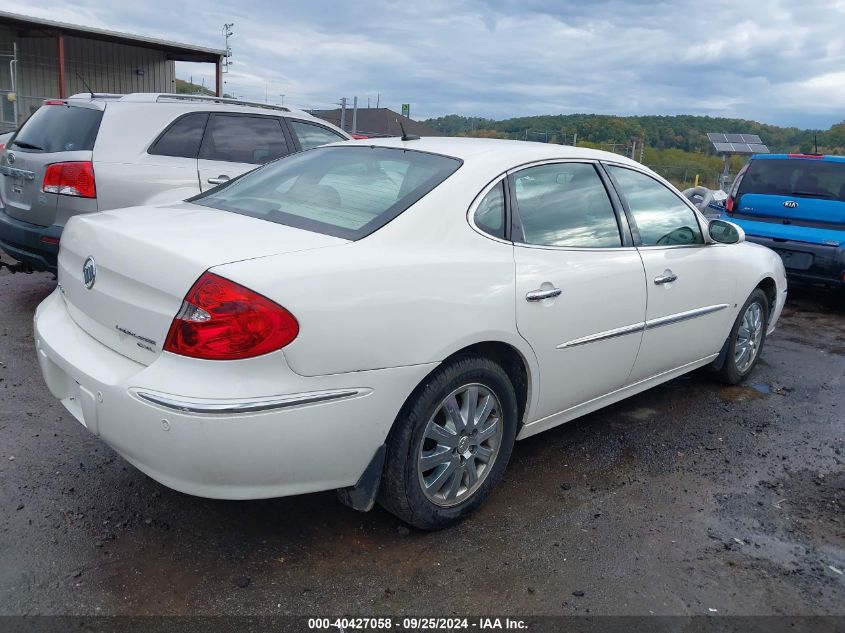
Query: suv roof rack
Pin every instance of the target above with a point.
(226, 100)
(96, 95)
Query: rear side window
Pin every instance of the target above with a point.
(662, 218)
(565, 205)
(310, 135)
(236, 138)
(346, 192)
(59, 128)
(182, 138)
(490, 214)
(796, 177)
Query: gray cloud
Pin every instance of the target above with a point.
(776, 61)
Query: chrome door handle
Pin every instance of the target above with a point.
(666, 278)
(539, 295)
(219, 180)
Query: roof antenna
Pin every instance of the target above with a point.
(85, 83)
(406, 136)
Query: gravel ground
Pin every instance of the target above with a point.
(688, 499)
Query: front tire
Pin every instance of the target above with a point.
(450, 444)
(746, 339)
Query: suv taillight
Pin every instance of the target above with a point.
(730, 202)
(70, 179)
(222, 320)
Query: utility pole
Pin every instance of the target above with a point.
(354, 114)
(227, 33)
(282, 97)
(378, 99)
(343, 113)
(575, 139)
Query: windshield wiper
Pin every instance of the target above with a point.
(26, 145)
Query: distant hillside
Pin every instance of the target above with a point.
(187, 88)
(685, 132)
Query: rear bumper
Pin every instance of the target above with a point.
(22, 241)
(809, 263)
(226, 429)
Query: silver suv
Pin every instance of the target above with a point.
(96, 152)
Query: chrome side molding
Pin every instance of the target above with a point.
(643, 325)
(231, 406)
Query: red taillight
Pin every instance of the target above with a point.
(55, 102)
(359, 137)
(729, 205)
(222, 320)
(2, 146)
(70, 179)
(48, 239)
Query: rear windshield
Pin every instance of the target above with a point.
(346, 192)
(59, 128)
(797, 177)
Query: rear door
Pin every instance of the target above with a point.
(691, 284)
(56, 133)
(237, 143)
(580, 287)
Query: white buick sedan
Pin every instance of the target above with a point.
(387, 317)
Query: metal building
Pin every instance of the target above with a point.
(41, 59)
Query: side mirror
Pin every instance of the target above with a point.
(725, 232)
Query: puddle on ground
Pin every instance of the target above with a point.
(739, 393)
(643, 413)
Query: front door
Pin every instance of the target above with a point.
(580, 287)
(690, 284)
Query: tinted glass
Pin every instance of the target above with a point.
(347, 192)
(311, 135)
(802, 178)
(183, 138)
(243, 139)
(662, 218)
(565, 205)
(59, 128)
(490, 214)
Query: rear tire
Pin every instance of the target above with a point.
(746, 339)
(450, 444)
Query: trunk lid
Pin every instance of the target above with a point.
(147, 258)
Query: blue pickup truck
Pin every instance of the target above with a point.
(795, 205)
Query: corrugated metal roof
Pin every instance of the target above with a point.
(24, 21)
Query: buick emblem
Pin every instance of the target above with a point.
(11, 158)
(790, 204)
(89, 272)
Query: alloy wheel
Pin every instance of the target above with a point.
(749, 337)
(460, 444)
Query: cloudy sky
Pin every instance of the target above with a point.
(776, 61)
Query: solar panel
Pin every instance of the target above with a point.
(737, 143)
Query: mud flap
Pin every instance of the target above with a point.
(362, 496)
(720, 359)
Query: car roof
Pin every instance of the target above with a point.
(498, 151)
(822, 157)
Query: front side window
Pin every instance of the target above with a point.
(183, 138)
(345, 191)
(490, 214)
(567, 205)
(237, 138)
(311, 135)
(662, 218)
